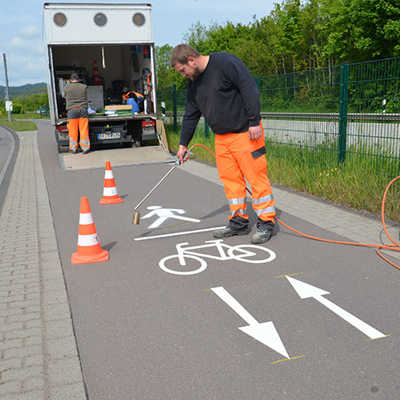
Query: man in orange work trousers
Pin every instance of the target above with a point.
(77, 113)
(223, 91)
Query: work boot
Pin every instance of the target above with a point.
(265, 230)
(237, 226)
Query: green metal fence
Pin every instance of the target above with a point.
(300, 115)
(347, 114)
(373, 118)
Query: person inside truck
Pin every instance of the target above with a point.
(221, 89)
(77, 114)
(137, 97)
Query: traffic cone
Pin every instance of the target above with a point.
(110, 194)
(89, 249)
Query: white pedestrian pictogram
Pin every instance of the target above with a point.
(164, 213)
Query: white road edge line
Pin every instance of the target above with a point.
(180, 233)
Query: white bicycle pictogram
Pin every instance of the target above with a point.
(248, 253)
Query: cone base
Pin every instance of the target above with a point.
(79, 259)
(116, 200)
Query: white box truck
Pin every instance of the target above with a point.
(111, 47)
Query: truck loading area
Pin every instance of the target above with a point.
(119, 90)
(236, 329)
(107, 70)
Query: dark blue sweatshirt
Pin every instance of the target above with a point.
(227, 96)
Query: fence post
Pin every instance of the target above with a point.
(344, 103)
(174, 107)
(206, 129)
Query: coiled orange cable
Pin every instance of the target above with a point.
(378, 247)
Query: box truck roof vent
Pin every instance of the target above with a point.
(60, 19)
(100, 19)
(138, 19)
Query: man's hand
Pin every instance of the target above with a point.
(182, 153)
(255, 132)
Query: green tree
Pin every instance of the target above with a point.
(359, 30)
(33, 102)
(166, 75)
(300, 35)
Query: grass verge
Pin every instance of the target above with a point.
(16, 125)
(30, 116)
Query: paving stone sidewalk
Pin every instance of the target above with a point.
(38, 353)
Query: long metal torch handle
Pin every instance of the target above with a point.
(155, 187)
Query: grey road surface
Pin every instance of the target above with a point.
(145, 333)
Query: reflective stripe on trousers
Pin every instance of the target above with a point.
(238, 207)
(240, 159)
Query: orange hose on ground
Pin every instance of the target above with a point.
(396, 245)
(378, 247)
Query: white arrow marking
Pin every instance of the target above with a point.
(264, 332)
(305, 290)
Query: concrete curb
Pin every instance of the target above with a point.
(6, 172)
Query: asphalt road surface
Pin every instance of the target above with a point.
(309, 322)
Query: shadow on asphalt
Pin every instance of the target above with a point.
(109, 246)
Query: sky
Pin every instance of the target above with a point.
(21, 36)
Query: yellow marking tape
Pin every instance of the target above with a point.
(285, 275)
(288, 359)
(384, 337)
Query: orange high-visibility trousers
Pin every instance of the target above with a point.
(240, 159)
(78, 127)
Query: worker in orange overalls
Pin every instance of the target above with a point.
(223, 91)
(77, 113)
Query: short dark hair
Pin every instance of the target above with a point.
(181, 53)
(74, 77)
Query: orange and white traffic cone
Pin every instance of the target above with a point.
(110, 194)
(89, 249)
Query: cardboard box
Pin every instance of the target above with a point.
(118, 107)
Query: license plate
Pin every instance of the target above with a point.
(111, 135)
